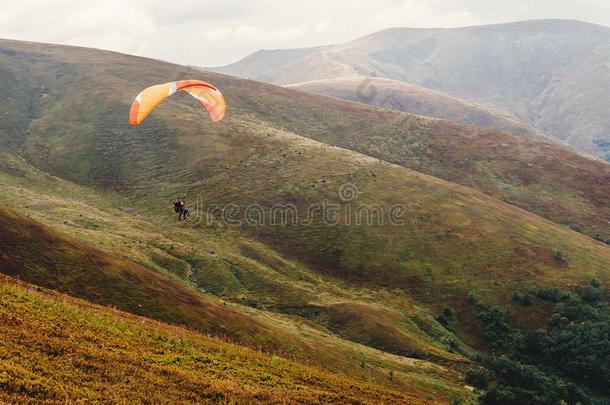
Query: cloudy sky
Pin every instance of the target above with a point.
(217, 32)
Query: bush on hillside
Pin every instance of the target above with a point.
(497, 329)
(523, 299)
(561, 257)
(472, 297)
(478, 378)
(550, 294)
(445, 317)
(518, 383)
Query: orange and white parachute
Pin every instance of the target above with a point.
(208, 96)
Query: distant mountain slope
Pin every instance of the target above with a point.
(403, 96)
(553, 74)
(264, 60)
(58, 349)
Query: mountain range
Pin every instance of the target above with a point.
(550, 74)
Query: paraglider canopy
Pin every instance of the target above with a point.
(208, 96)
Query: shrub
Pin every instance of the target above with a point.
(596, 283)
(362, 360)
(556, 320)
(498, 331)
(576, 346)
(519, 383)
(560, 256)
(523, 299)
(575, 310)
(581, 351)
(452, 344)
(478, 378)
(446, 317)
(498, 394)
(536, 342)
(549, 294)
(591, 293)
(472, 297)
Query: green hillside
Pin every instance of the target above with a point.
(92, 90)
(173, 293)
(363, 300)
(253, 157)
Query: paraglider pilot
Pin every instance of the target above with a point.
(181, 209)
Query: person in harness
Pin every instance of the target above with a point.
(186, 215)
(178, 204)
(181, 209)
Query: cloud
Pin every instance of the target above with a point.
(213, 32)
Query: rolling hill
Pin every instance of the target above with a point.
(552, 74)
(545, 179)
(406, 97)
(259, 155)
(326, 292)
(36, 253)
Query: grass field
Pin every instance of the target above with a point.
(38, 254)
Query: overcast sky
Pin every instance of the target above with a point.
(217, 32)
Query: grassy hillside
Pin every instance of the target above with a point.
(410, 98)
(39, 255)
(324, 293)
(91, 89)
(124, 358)
(253, 157)
(549, 73)
(234, 268)
(542, 178)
